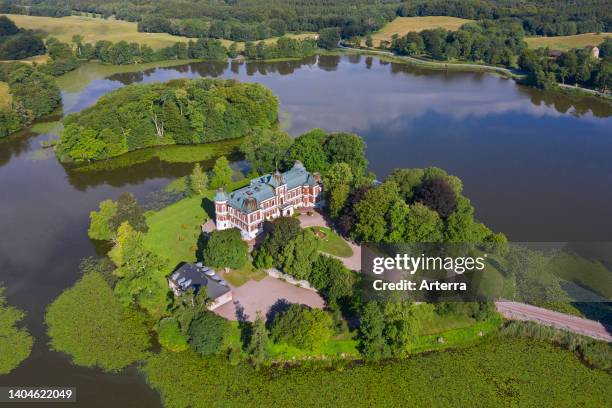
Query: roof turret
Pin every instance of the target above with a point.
(220, 196)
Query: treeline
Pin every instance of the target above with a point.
(490, 42)
(177, 112)
(547, 17)
(239, 21)
(17, 43)
(33, 95)
(36, 8)
(573, 67)
(501, 43)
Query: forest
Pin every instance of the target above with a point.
(258, 19)
(17, 43)
(177, 112)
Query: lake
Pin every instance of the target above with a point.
(536, 165)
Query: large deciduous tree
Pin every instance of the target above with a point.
(225, 249)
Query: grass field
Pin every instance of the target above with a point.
(332, 244)
(95, 29)
(174, 230)
(5, 95)
(403, 25)
(238, 277)
(568, 42)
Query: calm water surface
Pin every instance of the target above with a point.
(536, 166)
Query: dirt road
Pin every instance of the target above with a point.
(522, 311)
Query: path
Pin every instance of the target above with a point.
(575, 324)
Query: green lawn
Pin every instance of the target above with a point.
(332, 243)
(238, 277)
(174, 230)
(437, 324)
(457, 337)
(337, 347)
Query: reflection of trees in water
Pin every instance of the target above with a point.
(134, 168)
(277, 67)
(329, 62)
(14, 145)
(127, 78)
(368, 62)
(208, 68)
(577, 105)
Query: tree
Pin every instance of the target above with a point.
(368, 41)
(141, 273)
(15, 342)
(308, 148)
(129, 210)
(225, 249)
(197, 181)
(302, 327)
(423, 225)
(100, 221)
(7, 27)
(372, 344)
(438, 195)
(328, 38)
(266, 149)
(88, 323)
(298, 256)
(279, 233)
(338, 173)
(259, 343)
(207, 333)
(221, 173)
(337, 198)
(332, 279)
(347, 148)
(401, 326)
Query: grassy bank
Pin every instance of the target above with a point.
(567, 42)
(404, 25)
(495, 373)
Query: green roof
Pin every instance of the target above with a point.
(249, 198)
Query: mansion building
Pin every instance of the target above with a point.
(265, 198)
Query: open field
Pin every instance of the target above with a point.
(5, 96)
(403, 25)
(567, 42)
(95, 29)
(174, 230)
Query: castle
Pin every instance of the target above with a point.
(265, 198)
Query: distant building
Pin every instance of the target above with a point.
(190, 276)
(267, 197)
(594, 51)
(556, 54)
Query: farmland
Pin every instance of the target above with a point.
(96, 29)
(403, 25)
(5, 96)
(567, 42)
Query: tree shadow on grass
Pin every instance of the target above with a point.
(209, 207)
